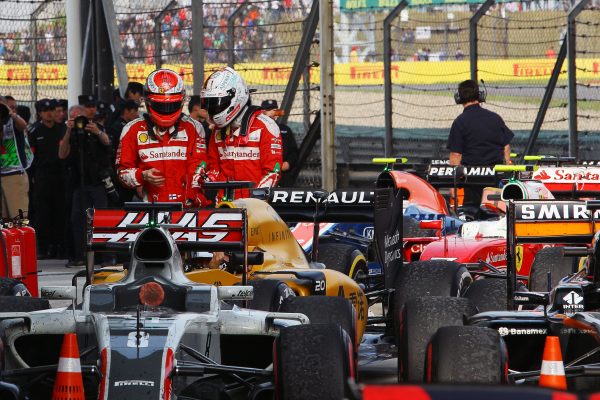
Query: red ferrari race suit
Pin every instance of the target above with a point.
(179, 156)
(250, 152)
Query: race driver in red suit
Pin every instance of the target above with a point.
(246, 144)
(164, 152)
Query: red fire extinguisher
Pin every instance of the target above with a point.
(29, 257)
(14, 240)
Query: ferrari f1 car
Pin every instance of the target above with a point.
(156, 334)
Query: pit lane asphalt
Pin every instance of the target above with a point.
(376, 360)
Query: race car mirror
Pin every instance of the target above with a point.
(235, 292)
(58, 292)
(577, 251)
(531, 298)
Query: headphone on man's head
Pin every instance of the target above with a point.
(482, 93)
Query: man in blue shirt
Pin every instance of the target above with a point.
(478, 137)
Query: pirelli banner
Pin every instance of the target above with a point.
(352, 74)
(553, 221)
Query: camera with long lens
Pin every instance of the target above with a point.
(111, 190)
(80, 123)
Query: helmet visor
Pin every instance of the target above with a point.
(164, 108)
(215, 105)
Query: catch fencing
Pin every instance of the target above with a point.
(516, 50)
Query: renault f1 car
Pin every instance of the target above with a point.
(156, 334)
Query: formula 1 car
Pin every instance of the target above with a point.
(278, 267)
(158, 335)
(440, 336)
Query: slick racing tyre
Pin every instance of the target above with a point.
(419, 320)
(428, 278)
(466, 355)
(549, 259)
(312, 361)
(12, 287)
(269, 295)
(344, 258)
(488, 294)
(325, 310)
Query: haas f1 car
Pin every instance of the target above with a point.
(156, 334)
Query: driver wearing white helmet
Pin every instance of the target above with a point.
(246, 144)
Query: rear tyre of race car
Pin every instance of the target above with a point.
(428, 278)
(549, 259)
(344, 258)
(325, 310)
(419, 320)
(488, 294)
(312, 361)
(269, 294)
(466, 355)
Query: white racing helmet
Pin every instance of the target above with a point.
(224, 96)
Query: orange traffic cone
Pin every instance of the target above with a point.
(69, 383)
(552, 374)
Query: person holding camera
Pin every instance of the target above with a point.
(163, 154)
(48, 180)
(87, 150)
(478, 137)
(15, 158)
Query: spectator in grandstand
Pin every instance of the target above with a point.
(550, 53)
(164, 152)
(459, 54)
(15, 159)
(246, 144)
(48, 181)
(290, 147)
(478, 137)
(87, 150)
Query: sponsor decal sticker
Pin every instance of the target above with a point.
(504, 331)
(143, 137)
(163, 153)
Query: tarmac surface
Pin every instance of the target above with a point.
(377, 361)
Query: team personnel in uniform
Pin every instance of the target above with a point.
(478, 137)
(164, 152)
(87, 149)
(246, 144)
(290, 147)
(48, 180)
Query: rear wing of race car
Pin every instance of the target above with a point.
(218, 229)
(382, 207)
(547, 221)
(568, 181)
(302, 205)
(446, 176)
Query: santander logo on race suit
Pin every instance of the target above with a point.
(161, 154)
(240, 153)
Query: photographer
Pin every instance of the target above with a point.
(87, 149)
(15, 158)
